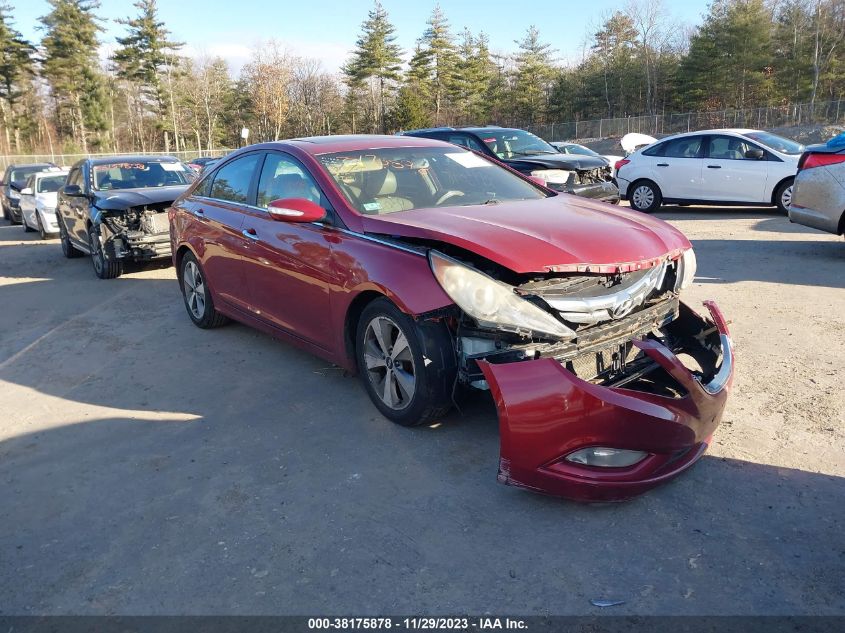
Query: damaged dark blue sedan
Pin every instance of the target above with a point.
(115, 209)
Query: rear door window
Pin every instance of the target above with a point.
(685, 147)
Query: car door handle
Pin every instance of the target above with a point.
(662, 164)
(714, 166)
(200, 215)
(250, 234)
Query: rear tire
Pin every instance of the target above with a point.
(645, 196)
(408, 368)
(195, 292)
(69, 250)
(104, 268)
(783, 195)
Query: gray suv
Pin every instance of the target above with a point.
(818, 196)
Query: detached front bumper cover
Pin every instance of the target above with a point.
(547, 413)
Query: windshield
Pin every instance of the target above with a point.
(777, 143)
(580, 149)
(514, 143)
(136, 175)
(51, 184)
(382, 181)
(20, 174)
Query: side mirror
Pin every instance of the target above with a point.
(756, 154)
(296, 210)
(72, 190)
(26, 191)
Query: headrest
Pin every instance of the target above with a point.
(379, 183)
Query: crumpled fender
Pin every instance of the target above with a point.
(546, 412)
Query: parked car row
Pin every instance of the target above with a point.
(451, 258)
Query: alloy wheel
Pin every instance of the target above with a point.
(643, 197)
(786, 197)
(96, 256)
(194, 289)
(389, 362)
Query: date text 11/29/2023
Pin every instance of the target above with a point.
(418, 623)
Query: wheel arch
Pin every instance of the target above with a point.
(353, 316)
(778, 186)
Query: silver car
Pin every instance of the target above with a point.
(818, 196)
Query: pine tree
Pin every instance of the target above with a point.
(534, 76)
(728, 64)
(474, 72)
(71, 67)
(437, 53)
(144, 54)
(376, 61)
(16, 71)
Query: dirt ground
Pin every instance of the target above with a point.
(149, 467)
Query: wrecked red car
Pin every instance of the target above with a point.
(424, 267)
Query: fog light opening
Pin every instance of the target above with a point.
(605, 457)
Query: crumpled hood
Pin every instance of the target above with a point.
(563, 233)
(569, 162)
(123, 199)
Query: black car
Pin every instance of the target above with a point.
(202, 162)
(528, 154)
(13, 181)
(115, 209)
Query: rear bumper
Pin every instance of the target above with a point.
(546, 413)
(818, 200)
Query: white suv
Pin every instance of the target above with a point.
(724, 167)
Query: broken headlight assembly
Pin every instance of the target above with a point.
(491, 303)
(552, 176)
(686, 272)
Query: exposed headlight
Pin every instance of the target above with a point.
(552, 176)
(491, 302)
(686, 271)
(606, 457)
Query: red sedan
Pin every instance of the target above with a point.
(424, 267)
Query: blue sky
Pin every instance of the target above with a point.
(327, 29)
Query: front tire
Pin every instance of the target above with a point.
(104, 268)
(408, 368)
(68, 249)
(40, 224)
(783, 196)
(26, 227)
(645, 196)
(195, 292)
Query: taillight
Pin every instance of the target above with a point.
(808, 161)
(621, 163)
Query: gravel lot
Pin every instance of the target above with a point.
(148, 467)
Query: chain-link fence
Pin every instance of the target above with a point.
(821, 112)
(69, 159)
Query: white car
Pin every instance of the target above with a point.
(39, 198)
(725, 167)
